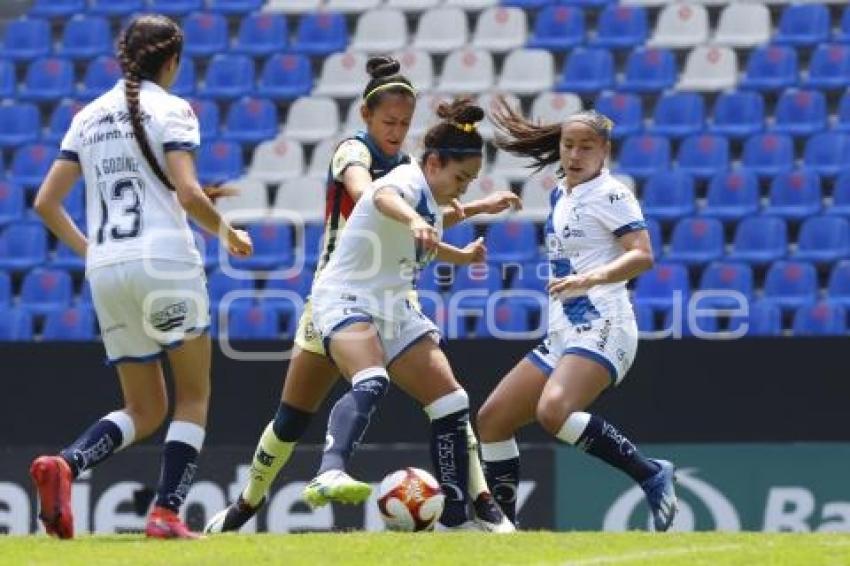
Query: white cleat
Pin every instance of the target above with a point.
(468, 525)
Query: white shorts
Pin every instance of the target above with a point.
(142, 310)
(335, 311)
(611, 345)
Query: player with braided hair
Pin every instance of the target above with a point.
(133, 146)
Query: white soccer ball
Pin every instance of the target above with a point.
(410, 500)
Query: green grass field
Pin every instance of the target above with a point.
(579, 549)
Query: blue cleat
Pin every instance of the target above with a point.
(661, 495)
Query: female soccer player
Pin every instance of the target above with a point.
(597, 240)
(388, 105)
(133, 146)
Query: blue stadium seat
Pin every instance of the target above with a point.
(459, 235)
(11, 202)
(229, 76)
(760, 239)
(320, 34)
(85, 297)
(824, 318)
(15, 325)
(828, 153)
(589, 3)
(794, 195)
(234, 7)
(273, 246)
(511, 240)
(528, 3)
(208, 246)
(587, 70)
(23, 245)
(26, 38)
(75, 324)
(115, 8)
(65, 258)
(669, 195)
(286, 76)
(732, 195)
(843, 32)
(85, 37)
(5, 290)
(432, 278)
(208, 115)
(843, 123)
(30, 164)
(532, 276)
(251, 120)
(46, 289)
(621, 26)
(251, 322)
(800, 112)
(644, 155)
(625, 109)
(691, 323)
(703, 155)
(696, 240)
(791, 284)
(298, 283)
(649, 69)
(829, 67)
(508, 317)
(60, 120)
(175, 7)
(101, 75)
(838, 286)
(771, 67)
(205, 34)
(763, 319)
(48, 79)
(20, 123)
(662, 286)
(841, 195)
(645, 317)
(313, 234)
(8, 81)
(184, 84)
(220, 284)
(769, 154)
(75, 202)
(738, 114)
(558, 28)
(220, 161)
(477, 282)
(823, 239)
(56, 8)
(803, 24)
(655, 238)
(678, 114)
(727, 276)
(261, 34)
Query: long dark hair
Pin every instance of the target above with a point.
(143, 48)
(456, 136)
(386, 79)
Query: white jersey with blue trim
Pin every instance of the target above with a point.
(130, 214)
(376, 257)
(582, 234)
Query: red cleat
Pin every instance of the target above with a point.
(165, 523)
(52, 478)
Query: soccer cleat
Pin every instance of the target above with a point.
(489, 515)
(468, 525)
(52, 478)
(335, 486)
(233, 516)
(661, 495)
(165, 523)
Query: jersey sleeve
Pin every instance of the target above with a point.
(69, 149)
(180, 129)
(350, 152)
(618, 210)
(401, 184)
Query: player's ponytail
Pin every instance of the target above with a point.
(386, 79)
(456, 136)
(143, 48)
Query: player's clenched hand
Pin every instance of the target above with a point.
(239, 243)
(475, 252)
(569, 286)
(215, 192)
(499, 201)
(425, 236)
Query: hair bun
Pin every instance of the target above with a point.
(382, 66)
(460, 110)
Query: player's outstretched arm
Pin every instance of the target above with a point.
(392, 205)
(48, 204)
(494, 203)
(473, 252)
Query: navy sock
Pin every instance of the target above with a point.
(503, 481)
(603, 440)
(97, 443)
(182, 445)
(449, 457)
(350, 416)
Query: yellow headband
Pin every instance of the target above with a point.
(468, 127)
(390, 85)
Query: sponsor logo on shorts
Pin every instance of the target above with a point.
(604, 334)
(170, 317)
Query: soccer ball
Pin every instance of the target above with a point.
(410, 500)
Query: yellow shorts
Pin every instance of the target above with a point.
(307, 337)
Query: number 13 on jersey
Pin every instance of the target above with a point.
(121, 209)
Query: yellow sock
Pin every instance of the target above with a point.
(477, 482)
(270, 456)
